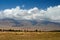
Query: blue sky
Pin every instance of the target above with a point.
(30, 9)
(42, 4)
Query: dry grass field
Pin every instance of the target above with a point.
(29, 35)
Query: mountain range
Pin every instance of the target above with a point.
(29, 24)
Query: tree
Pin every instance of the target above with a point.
(36, 30)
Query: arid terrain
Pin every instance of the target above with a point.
(29, 35)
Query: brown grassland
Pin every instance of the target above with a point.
(29, 35)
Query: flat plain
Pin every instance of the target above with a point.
(29, 35)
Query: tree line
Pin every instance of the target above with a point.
(36, 30)
(12, 30)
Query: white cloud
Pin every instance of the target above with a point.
(52, 14)
(23, 6)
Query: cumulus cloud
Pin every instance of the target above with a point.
(51, 13)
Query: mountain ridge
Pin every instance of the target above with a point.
(29, 24)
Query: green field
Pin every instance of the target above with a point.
(29, 35)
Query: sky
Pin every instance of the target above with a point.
(27, 4)
(30, 10)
